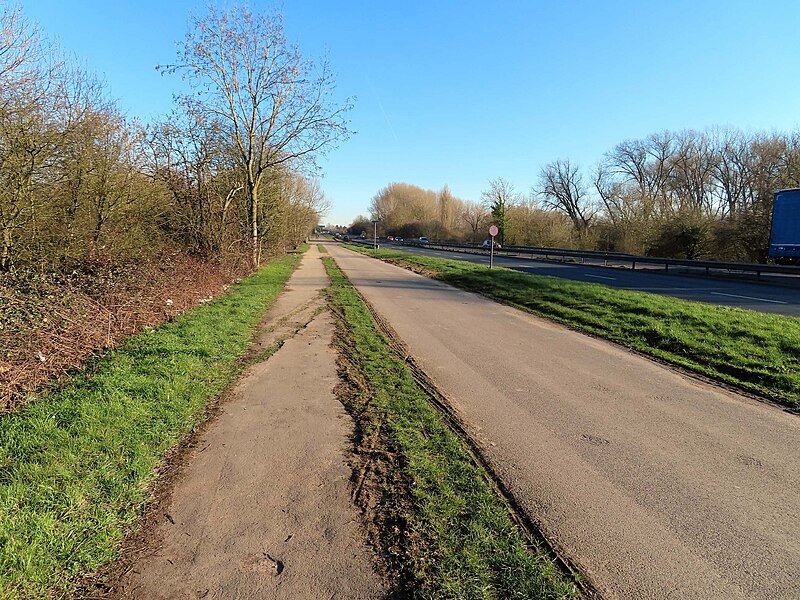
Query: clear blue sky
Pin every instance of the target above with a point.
(461, 92)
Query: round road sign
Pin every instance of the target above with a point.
(493, 230)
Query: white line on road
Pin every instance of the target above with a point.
(749, 298)
(601, 277)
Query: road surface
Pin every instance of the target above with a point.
(655, 484)
(752, 295)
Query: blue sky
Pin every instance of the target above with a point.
(460, 93)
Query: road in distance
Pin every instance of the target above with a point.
(752, 295)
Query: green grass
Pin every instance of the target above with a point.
(322, 248)
(75, 464)
(461, 541)
(754, 351)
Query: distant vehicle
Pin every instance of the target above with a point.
(423, 240)
(784, 242)
(398, 239)
(346, 238)
(487, 243)
(389, 238)
(363, 235)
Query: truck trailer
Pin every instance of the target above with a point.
(784, 242)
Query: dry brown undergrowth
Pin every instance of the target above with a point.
(50, 323)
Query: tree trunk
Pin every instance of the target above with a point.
(255, 256)
(6, 262)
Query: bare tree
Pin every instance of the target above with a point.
(561, 188)
(306, 203)
(475, 216)
(732, 171)
(693, 166)
(275, 105)
(645, 166)
(192, 157)
(29, 125)
(448, 209)
(400, 204)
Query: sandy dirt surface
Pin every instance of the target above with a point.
(263, 507)
(655, 484)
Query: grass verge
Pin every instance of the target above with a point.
(75, 465)
(322, 248)
(445, 531)
(756, 352)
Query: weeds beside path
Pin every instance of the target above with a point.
(75, 465)
(446, 532)
(50, 322)
(757, 352)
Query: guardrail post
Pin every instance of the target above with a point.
(633, 265)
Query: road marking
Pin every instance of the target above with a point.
(601, 277)
(749, 298)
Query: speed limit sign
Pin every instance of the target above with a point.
(493, 230)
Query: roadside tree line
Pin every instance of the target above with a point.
(228, 174)
(686, 194)
(410, 211)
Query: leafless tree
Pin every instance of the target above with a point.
(561, 187)
(29, 124)
(448, 207)
(276, 106)
(192, 157)
(400, 204)
(691, 174)
(732, 171)
(475, 215)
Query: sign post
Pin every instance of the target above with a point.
(375, 239)
(493, 231)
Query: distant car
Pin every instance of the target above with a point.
(389, 238)
(423, 240)
(346, 238)
(398, 239)
(488, 243)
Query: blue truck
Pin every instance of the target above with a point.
(784, 241)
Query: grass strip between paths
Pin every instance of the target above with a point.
(75, 464)
(756, 352)
(453, 536)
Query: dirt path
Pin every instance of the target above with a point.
(655, 484)
(263, 508)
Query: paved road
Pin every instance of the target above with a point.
(752, 295)
(657, 485)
